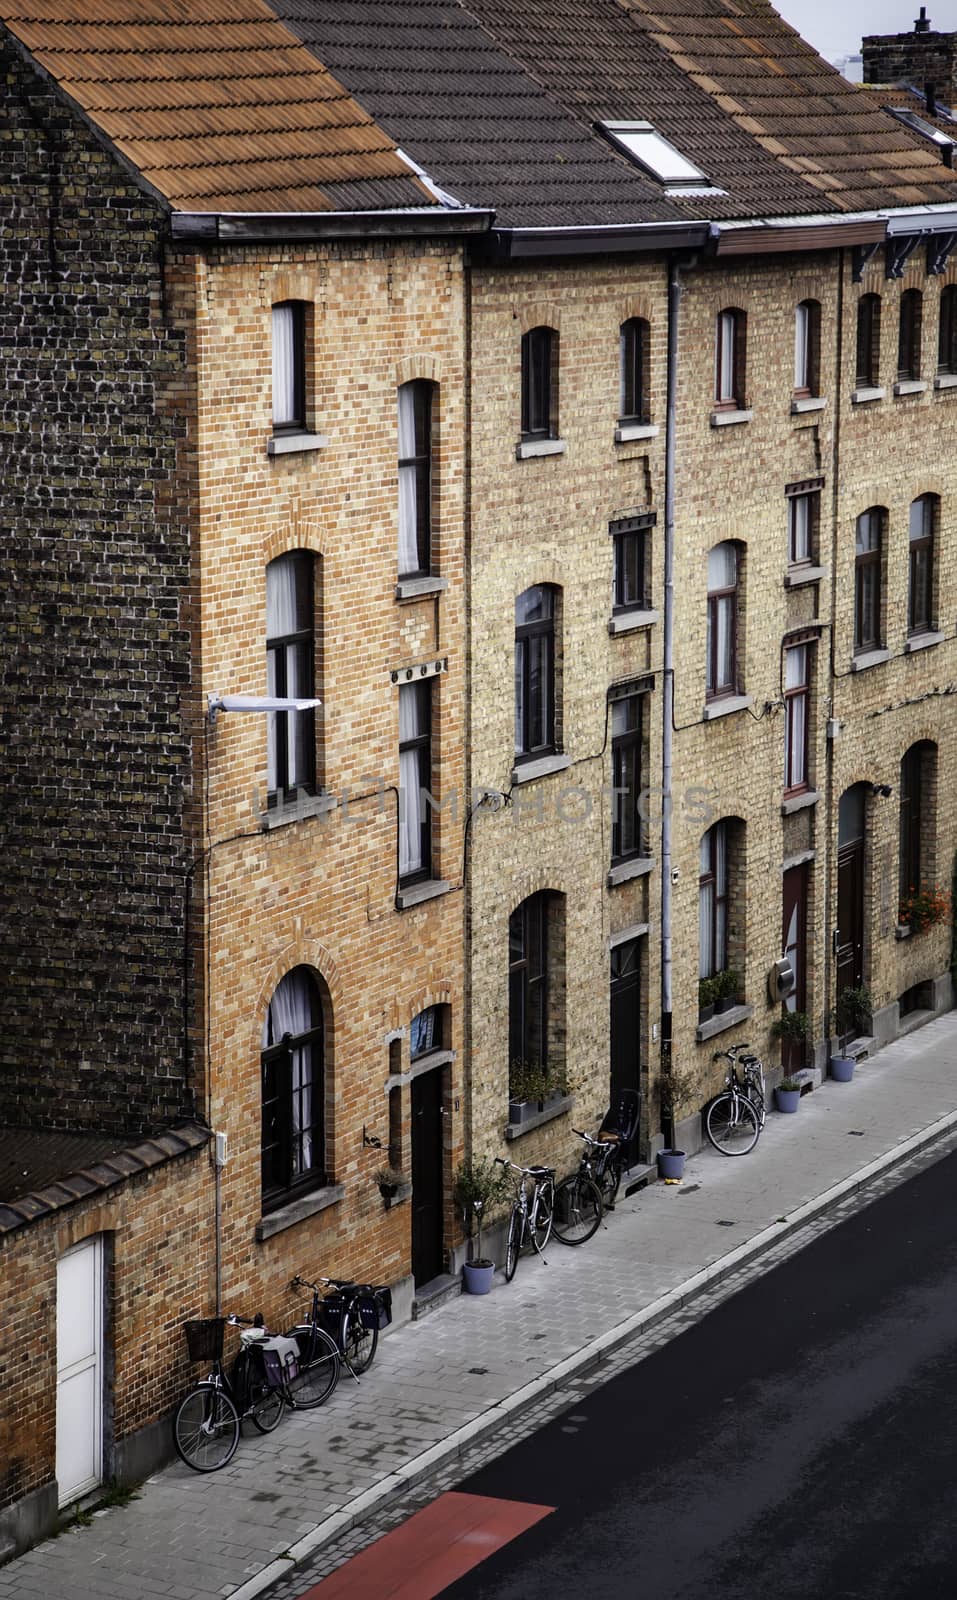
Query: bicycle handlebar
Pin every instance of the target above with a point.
(236, 1321)
(528, 1172)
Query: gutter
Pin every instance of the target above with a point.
(518, 244)
(771, 234)
(234, 227)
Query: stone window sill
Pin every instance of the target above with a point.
(299, 1210)
(636, 930)
(415, 588)
(557, 1108)
(946, 380)
(415, 893)
(726, 707)
(922, 641)
(628, 621)
(799, 802)
(424, 1063)
(626, 431)
(284, 444)
(863, 397)
(796, 577)
(869, 658)
(808, 403)
(720, 1024)
(543, 767)
(310, 805)
(526, 449)
(909, 386)
(625, 871)
(729, 419)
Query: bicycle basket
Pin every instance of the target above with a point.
(204, 1338)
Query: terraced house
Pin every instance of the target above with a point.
(480, 490)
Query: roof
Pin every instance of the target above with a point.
(217, 104)
(482, 95)
(43, 1171)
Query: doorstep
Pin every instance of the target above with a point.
(638, 1177)
(429, 1296)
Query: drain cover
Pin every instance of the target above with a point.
(479, 1371)
(723, 1223)
(855, 1133)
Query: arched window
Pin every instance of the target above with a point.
(807, 348)
(291, 673)
(730, 356)
(721, 675)
(536, 994)
(634, 389)
(908, 339)
(868, 341)
(415, 479)
(920, 588)
(293, 1089)
(289, 367)
(947, 330)
(535, 671)
(540, 384)
(868, 556)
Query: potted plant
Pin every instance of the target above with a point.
(676, 1089)
(479, 1185)
(528, 1085)
(792, 1027)
(787, 1095)
(852, 1010)
(923, 908)
(728, 990)
(389, 1182)
(707, 997)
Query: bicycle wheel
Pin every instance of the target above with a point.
(206, 1428)
(513, 1247)
(266, 1406)
(318, 1368)
(359, 1339)
(544, 1216)
(578, 1209)
(731, 1124)
(610, 1180)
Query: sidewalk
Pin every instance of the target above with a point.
(467, 1368)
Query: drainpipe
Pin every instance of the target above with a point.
(829, 919)
(668, 680)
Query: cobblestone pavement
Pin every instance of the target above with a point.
(450, 1392)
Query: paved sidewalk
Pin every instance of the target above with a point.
(439, 1384)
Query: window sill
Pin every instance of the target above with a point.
(421, 1064)
(922, 641)
(909, 386)
(902, 930)
(558, 1108)
(809, 403)
(869, 658)
(799, 802)
(527, 448)
(720, 1024)
(415, 588)
(726, 707)
(628, 621)
(728, 419)
(284, 444)
(299, 1210)
(626, 431)
(946, 380)
(863, 397)
(796, 577)
(311, 805)
(637, 930)
(625, 871)
(415, 893)
(543, 767)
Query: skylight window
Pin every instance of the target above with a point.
(642, 142)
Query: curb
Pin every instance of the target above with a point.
(589, 1355)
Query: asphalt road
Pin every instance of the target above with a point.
(799, 1443)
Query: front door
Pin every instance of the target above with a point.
(794, 946)
(626, 1026)
(849, 940)
(79, 1359)
(427, 1188)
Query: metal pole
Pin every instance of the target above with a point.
(668, 686)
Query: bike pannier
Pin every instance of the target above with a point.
(383, 1297)
(280, 1357)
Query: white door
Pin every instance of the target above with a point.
(79, 1359)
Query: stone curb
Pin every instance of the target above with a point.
(589, 1355)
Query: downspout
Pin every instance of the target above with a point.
(468, 1035)
(668, 681)
(829, 920)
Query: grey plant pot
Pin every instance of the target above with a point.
(671, 1163)
(787, 1100)
(842, 1068)
(478, 1276)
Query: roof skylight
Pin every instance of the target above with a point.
(642, 142)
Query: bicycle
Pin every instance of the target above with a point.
(579, 1200)
(319, 1358)
(209, 1418)
(351, 1315)
(530, 1221)
(735, 1117)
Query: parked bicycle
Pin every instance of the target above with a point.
(530, 1223)
(351, 1314)
(735, 1117)
(208, 1420)
(609, 1152)
(579, 1205)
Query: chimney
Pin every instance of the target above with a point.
(922, 23)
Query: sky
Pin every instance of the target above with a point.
(836, 27)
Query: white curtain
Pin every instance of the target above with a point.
(408, 510)
(283, 365)
(724, 377)
(801, 329)
(422, 1032)
(799, 505)
(281, 618)
(412, 800)
(795, 677)
(291, 1012)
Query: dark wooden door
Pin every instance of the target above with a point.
(626, 1026)
(427, 1196)
(794, 946)
(849, 940)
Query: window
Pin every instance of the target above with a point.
(415, 479)
(722, 644)
(807, 348)
(425, 1033)
(713, 902)
(535, 672)
(536, 986)
(634, 398)
(947, 330)
(293, 1089)
(289, 367)
(920, 595)
(917, 805)
(867, 579)
(415, 781)
(632, 548)
(626, 736)
(649, 149)
(868, 341)
(908, 339)
(290, 672)
(730, 360)
(796, 703)
(804, 511)
(539, 384)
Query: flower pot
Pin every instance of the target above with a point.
(519, 1110)
(726, 1003)
(671, 1163)
(787, 1100)
(478, 1276)
(842, 1068)
(705, 1013)
(388, 1191)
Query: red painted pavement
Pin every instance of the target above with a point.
(429, 1552)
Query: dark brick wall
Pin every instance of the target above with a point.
(913, 58)
(94, 659)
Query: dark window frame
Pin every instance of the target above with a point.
(868, 345)
(631, 551)
(868, 581)
(421, 745)
(422, 467)
(634, 394)
(797, 752)
(728, 595)
(947, 330)
(711, 878)
(628, 840)
(279, 1152)
(810, 387)
(297, 422)
(909, 336)
(303, 641)
(920, 567)
(730, 385)
(528, 981)
(809, 492)
(539, 383)
(526, 634)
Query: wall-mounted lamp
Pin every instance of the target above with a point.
(883, 789)
(256, 702)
